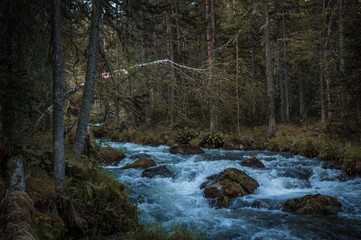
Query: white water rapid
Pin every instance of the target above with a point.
(179, 200)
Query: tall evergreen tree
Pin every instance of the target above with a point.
(58, 99)
(89, 80)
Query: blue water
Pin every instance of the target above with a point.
(179, 200)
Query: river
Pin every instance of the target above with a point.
(179, 200)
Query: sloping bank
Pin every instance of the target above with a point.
(93, 206)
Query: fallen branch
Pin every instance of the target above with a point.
(165, 62)
(51, 107)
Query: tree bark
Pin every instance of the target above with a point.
(211, 54)
(89, 81)
(117, 104)
(237, 92)
(58, 100)
(284, 71)
(301, 96)
(172, 74)
(322, 94)
(270, 86)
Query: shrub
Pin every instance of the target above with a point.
(185, 136)
(102, 201)
(280, 144)
(307, 147)
(212, 139)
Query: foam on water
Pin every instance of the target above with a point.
(179, 199)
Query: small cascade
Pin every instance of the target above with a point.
(179, 200)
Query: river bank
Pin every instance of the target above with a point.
(309, 141)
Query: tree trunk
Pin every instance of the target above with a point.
(172, 74)
(89, 81)
(326, 60)
(16, 208)
(117, 65)
(253, 70)
(284, 71)
(322, 94)
(341, 38)
(210, 47)
(58, 100)
(237, 93)
(270, 87)
(301, 96)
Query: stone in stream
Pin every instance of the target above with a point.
(140, 156)
(143, 163)
(161, 171)
(185, 149)
(232, 146)
(313, 205)
(252, 162)
(229, 183)
(110, 156)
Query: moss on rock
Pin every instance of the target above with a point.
(314, 205)
(142, 163)
(109, 155)
(230, 183)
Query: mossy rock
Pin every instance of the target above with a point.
(211, 140)
(232, 146)
(161, 171)
(230, 183)
(109, 155)
(142, 163)
(314, 205)
(185, 149)
(252, 162)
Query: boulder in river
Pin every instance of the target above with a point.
(140, 156)
(161, 171)
(252, 162)
(233, 146)
(110, 156)
(152, 142)
(143, 163)
(185, 149)
(230, 183)
(314, 205)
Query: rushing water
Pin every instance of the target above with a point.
(179, 200)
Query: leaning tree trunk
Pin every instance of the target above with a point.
(58, 100)
(89, 81)
(270, 87)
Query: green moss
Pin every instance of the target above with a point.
(102, 200)
(152, 231)
(307, 147)
(280, 144)
(350, 157)
(96, 118)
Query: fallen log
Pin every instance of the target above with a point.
(17, 208)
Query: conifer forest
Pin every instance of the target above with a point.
(180, 119)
